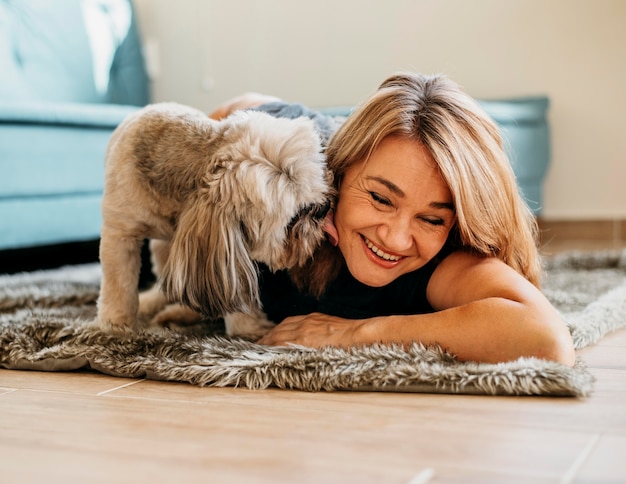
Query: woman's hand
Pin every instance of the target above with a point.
(245, 101)
(315, 330)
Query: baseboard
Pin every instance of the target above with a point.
(54, 256)
(584, 233)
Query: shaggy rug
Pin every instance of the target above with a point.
(43, 316)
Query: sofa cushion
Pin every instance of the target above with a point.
(71, 51)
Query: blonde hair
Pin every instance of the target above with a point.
(492, 218)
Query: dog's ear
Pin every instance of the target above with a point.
(208, 268)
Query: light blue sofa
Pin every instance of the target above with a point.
(70, 71)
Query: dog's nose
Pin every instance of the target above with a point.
(319, 211)
(315, 211)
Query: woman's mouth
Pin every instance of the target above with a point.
(379, 252)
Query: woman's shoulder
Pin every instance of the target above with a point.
(460, 261)
(464, 276)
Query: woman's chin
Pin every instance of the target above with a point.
(373, 275)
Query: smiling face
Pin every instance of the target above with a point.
(394, 212)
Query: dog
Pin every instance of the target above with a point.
(215, 198)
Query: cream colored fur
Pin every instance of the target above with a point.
(215, 198)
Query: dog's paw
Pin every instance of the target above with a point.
(114, 327)
(175, 314)
(151, 302)
(248, 326)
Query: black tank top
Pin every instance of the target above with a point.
(346, 297)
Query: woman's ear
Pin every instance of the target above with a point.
(330, 229)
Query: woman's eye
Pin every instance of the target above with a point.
(379, 198)
(434, 221)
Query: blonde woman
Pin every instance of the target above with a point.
(429, 241)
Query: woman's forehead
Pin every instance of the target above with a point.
(404, 166)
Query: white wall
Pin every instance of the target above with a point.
(327, 52)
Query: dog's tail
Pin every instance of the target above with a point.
(209, 268)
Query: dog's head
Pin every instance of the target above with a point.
(273, 172)
(264, 198)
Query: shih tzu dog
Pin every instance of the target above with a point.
(215, 198)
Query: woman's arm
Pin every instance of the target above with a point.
(244, 101)
(485, 311)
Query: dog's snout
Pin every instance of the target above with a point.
(315, 211)
(319, 211)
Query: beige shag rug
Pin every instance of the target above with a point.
(43, 315)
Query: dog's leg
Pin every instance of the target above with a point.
(120, 257)
(159, 251)
(153, 300)
(248, 325)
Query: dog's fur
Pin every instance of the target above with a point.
(216, 198)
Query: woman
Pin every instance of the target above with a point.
(430, 240)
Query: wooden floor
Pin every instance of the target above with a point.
(86, 427)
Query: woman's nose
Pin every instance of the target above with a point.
(396, 234)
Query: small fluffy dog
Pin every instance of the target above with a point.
(215, 198)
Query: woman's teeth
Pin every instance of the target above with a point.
(380, 253)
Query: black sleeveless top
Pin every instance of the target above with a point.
(346, 297)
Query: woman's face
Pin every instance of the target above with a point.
(394, 212)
